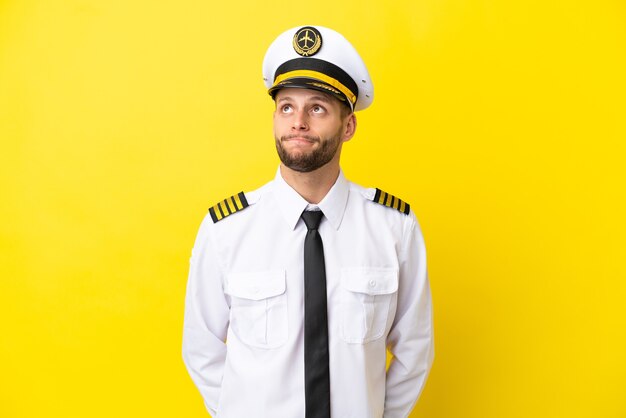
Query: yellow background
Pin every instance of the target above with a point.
(502, 122)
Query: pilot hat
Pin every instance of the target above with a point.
(318, 58)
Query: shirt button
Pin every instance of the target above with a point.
(372, 283)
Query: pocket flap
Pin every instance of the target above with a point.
(370, 280)
(256, 285)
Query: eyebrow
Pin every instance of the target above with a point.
(321, 98)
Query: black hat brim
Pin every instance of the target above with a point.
(309, 83)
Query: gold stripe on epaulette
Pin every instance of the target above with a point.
(391, 201)
(228, 206)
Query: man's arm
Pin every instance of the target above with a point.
(206, 318)
(410, 340)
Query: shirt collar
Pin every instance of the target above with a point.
(291, 204)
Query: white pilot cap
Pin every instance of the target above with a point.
(315, 57)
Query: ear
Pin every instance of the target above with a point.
(350, 128)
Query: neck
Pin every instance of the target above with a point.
(314, 185)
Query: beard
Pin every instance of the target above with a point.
(306, 162)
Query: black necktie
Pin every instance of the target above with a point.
(316, 375)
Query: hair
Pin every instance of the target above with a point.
(345, 110)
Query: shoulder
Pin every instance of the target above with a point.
(228, 206)
(379, 198)
(385, 213)
(236, 203)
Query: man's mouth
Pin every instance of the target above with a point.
(300, 138)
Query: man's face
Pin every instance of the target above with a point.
(309, 127)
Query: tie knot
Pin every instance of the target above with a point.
(312, 218)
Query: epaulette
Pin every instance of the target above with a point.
(228, 206)
(391, 201)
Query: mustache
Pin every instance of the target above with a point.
(307, 137)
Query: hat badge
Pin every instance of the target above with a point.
(307, 41)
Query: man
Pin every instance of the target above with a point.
(297, 290)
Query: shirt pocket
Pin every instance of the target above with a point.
(366, 296)
(258, 311)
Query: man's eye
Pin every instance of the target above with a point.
(286, 108)
(318, 109)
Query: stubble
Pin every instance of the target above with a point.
(305, 162)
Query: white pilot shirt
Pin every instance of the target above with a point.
(243, 338)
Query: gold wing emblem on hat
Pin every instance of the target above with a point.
(307, 41)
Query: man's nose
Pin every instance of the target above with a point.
(300, 120)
